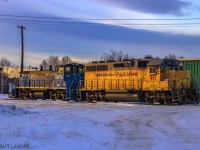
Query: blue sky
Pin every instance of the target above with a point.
(85, 40)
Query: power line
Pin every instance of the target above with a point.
(67, 18)
(100, 25)
(105, 25)
(84, 22)
(90, 23)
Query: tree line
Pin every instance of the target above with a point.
(120, 55)
(54, 61)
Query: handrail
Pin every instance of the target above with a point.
(33, 83)
(69, 88)
(79, 83)
(71, 83)
(179, 83)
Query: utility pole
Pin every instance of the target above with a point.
(1, 74)
(22, 42)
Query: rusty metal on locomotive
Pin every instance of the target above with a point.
(62, 83)
(37, 84)
(151, 80)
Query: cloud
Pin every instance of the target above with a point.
(87, 41)
(81, 40)
(173, 7)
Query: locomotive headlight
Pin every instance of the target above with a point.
(56, 77)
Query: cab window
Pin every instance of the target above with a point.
(152, 70)
(67, 70)
(81, 72)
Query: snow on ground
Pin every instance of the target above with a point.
(12, 110)
(69, 125)
(3, 96)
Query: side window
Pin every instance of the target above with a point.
(67, 71)
(81, 71)
(152, 70)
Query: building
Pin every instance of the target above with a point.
(192, 64)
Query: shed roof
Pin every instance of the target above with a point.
(155, 62)
(189, 59)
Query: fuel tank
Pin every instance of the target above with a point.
(122, 97)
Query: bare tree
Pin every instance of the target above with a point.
(45, 65)
(5, 62)
(148, 56)
(115, 55)
(66, 60)
(4, 67)
(181, 57)
(55, 61)
(171, 56)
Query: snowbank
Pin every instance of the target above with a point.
(12, 110)
(3, 96)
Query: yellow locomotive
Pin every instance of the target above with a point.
(150, 80)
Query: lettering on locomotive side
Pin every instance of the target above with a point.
(117, 74)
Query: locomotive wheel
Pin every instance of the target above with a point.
(162, 101)
(53, 95)
(103, 98)
(28, 95)
(151, 101)
(22, 96)
(44, 95)
(99, 99)
(169, 101)
(62, 96)
(32, 96)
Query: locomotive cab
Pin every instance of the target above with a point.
(73, 76)
(167, 82)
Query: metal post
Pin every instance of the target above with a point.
(1, 75)
(22, 43)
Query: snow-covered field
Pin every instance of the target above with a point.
(57, 125)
